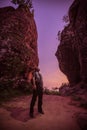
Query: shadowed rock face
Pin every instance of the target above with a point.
(18, 42)
(72, 50)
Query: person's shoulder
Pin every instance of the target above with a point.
(40, 74)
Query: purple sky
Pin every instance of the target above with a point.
(48, 16)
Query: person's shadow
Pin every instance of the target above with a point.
(21, 114)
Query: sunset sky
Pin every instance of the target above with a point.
(48, 16)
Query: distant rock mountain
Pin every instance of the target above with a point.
(18, 43)
(72, 50)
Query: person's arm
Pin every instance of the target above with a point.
(41, 80)
(31, 79)
(34, 85)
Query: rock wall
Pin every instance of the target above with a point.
(18, 43)
(72, 50)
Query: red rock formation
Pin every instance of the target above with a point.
(72, 57)
(18, 42)
(72, 51)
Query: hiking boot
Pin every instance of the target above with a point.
(41, 112)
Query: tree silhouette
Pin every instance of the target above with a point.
(23, 2)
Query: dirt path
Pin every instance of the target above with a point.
(59, 115)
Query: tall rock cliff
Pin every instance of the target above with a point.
(18, 43)
(72, 50)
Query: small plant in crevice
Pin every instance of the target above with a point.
(27, 3)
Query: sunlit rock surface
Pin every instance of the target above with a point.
(18, 43)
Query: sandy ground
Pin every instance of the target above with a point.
(59, 115)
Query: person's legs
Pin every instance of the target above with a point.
(40, 98)
(34, 97)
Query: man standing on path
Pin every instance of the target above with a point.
(37, 84)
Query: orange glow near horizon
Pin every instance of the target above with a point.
(53, 79)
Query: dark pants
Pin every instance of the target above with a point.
(36, 93)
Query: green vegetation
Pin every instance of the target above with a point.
(51, 92)
(7, 91)
(66, 19)
(23, 2)
(12, 67)
(63, 85)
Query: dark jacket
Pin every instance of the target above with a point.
(38, 80)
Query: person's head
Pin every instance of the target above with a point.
(30, 69)
(37, 69)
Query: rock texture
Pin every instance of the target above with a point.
(18, 43)
(72, 50)
(72, 57)
(82, 120)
